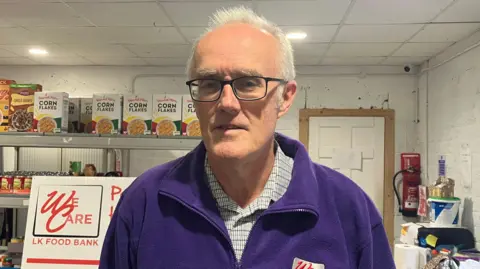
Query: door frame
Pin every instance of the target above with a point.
(388, 155)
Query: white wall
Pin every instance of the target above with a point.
(450, 124)
(321, 87)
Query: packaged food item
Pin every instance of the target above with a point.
(167, 114)
(107, 114)
(18, 184)
(190, 123)
(74, 115)
(86, 115)
(6, 185)
(27, 184)
(51, 112)
(4, 103)
(137, 114)
(22, 107)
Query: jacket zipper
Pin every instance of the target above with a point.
(227, 237)
(238, 263)
(278, 211)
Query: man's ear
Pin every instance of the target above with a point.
(288, 96)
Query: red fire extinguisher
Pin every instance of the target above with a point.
(410, 171)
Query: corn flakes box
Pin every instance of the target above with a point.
(50, 112)
(167, 114)
(107, 114)
(190, 123)
(137, 114)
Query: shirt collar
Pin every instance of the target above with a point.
(274, 189)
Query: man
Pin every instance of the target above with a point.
(246, 197)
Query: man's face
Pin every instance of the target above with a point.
(233, 128)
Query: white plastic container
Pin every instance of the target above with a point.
(444, 212)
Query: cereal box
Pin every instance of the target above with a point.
(137, 114)
(51, 112)
(190, 123)
(167, 114)
(74, 115)
(4, 103)
(22, 107)
(86, 115)
(107, 114)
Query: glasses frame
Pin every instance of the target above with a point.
(231, 82)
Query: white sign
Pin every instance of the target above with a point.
(67, 220)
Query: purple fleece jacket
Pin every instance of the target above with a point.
(168, 219)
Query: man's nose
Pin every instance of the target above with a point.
(228, 102)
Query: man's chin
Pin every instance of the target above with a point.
(228, 150)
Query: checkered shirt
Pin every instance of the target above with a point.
(239, 221)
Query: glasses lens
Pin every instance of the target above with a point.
(205, 89)
(250, 87)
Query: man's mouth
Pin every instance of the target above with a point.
(228, 127)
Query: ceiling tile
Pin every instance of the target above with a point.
(309, 49)
(123, 14)
(166, 61)
(96, 1)
(421, 49)
(16, 35)
(451, 32)
(61, 60)
(395, 11)
(362, 49)
(117, 61)
(41, 14)
(306, 12)
(196, 14)
(192, 33)
(404, 60)
(105, 50)
(115, 35)
(53, 50)
(352, 60)
(6, 53)
(461, 11)
(6, 23)
(377, 33)
(315, 34)
(161, 50)
(16, 61)
(306, 60)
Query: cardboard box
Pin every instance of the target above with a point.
(167, 114)
(51, 112)
(107, 114)
(74, 115)
(22, 107)
(86, 105)
(137, 114)
(190, 123)
(4, 103)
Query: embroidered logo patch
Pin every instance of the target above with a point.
(301, 264)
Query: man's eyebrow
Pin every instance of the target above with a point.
(206, 73)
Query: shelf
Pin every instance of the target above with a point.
(14, 200)
(92, 141)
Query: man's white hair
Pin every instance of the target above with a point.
(245, 15)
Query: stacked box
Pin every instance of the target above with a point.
(86, 115)
(51, 112)
(74, 115)
(22, 107)
(137, 114)
(167, 114)
(190, 123)
(107, 114)
(4, 103)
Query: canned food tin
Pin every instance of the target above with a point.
(6, 184)
(18, 182)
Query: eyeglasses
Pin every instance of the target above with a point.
(249, 88)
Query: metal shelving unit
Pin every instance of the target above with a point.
(98, 141)
(113, 144)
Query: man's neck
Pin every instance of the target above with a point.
(244, 180)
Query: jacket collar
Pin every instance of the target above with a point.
(185, 183)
